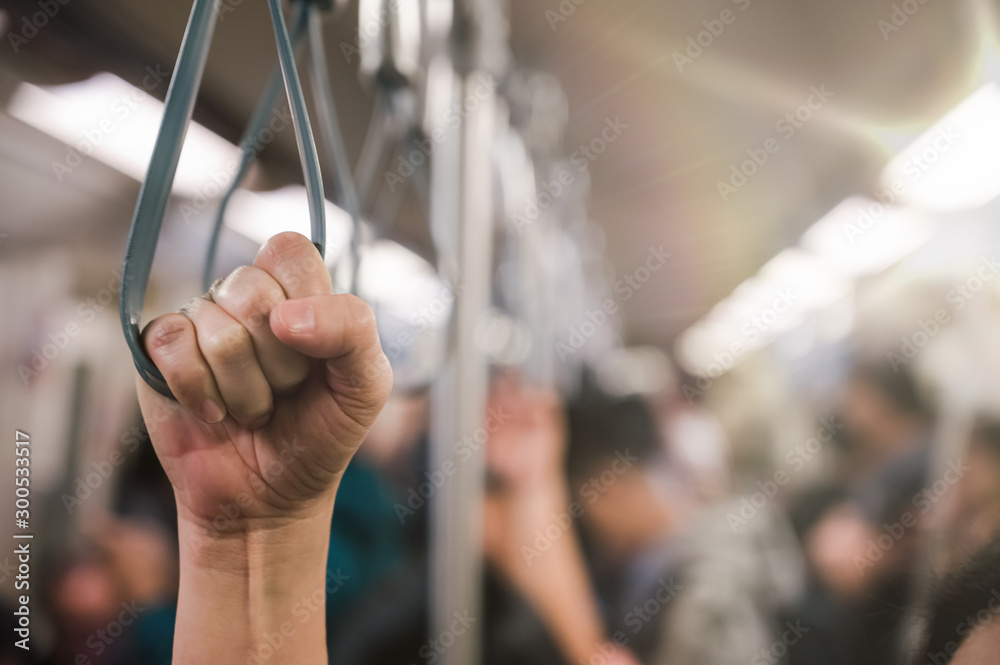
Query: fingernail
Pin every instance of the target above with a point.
(298, 317)
(212, 412)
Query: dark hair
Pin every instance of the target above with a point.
(987, 434)
(601, 426)
(897, 385)
(957, 605)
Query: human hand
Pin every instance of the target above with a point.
(525, 454)
(278, 381)
(526, 451)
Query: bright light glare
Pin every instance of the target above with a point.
(863, 237)
(388, 268)
(642, 370)
(814, 281)
(259, 216)
(790, 287)
(954, 165)
(111, 120)
(413, 308)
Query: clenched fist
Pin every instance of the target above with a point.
(277, 382)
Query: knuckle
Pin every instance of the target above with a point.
(189, 383)
(305, 268)
(249, 295)
(228, 344)
(259, 315)
(252, 306)
(167, 335)
(295, 262)
(291, 377)
(223, 286)
(252, 410)
(361, 316)
(283, 245)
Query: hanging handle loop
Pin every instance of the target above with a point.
(250, 143)
(155, 191)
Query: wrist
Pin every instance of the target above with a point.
(259, 588)
(551, 494)
(235, 543)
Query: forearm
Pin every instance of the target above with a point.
(257, 592)
(555, 581)
(563, 594)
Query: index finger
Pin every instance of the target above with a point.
(295, 263)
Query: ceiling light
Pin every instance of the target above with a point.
(956, 163)
(108, 119)
(864, 237)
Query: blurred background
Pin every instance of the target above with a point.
(691, 308)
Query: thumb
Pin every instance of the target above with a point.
(341, 330)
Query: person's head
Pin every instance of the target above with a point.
(963, 623)
(883, 408)
(973, 515)
(613, 442)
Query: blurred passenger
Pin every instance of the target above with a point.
(861, 585)
(82, 599)
(678, 583)
(392, 626)
(970, 521)
(113, 603)
(531, 537)
(695, 444)
(539, 606)
(397, 442)
(963, 624)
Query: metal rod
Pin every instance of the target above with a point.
(250, 143)
(155, 191)
(303, 130)
(459, 395)
(330, 130)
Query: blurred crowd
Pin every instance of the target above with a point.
(615, 529)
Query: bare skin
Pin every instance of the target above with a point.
(277, 381)
(981, 646)
(526, 453)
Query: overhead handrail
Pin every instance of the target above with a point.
(154, 194)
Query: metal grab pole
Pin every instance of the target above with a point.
(459, 395)
(461, 216)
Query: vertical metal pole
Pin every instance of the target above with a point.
(462, 186)
(462, 225)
